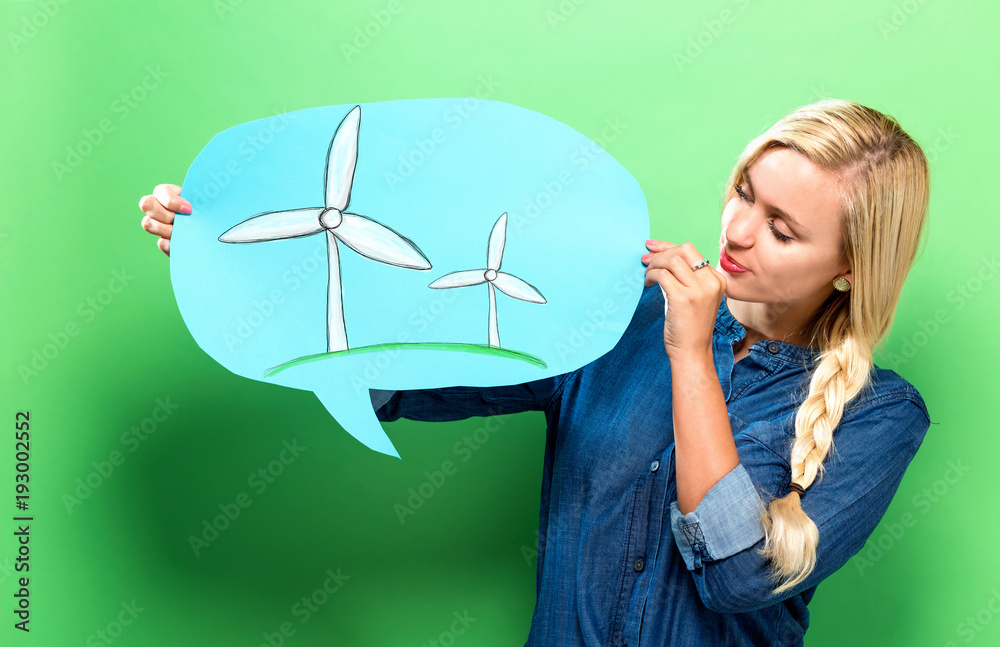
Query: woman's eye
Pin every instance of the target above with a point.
(770, 223)
(777, 234)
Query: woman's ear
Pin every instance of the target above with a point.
(845, 269)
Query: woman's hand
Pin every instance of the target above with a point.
(693, 297)
(160, 208)
(703, 438)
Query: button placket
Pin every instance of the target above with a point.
(635, 545)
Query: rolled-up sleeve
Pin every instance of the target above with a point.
(725, 522)
(873, 445)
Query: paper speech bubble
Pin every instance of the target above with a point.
(404, 245)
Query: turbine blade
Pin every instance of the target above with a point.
(275, 225)
(497, 239)
(515, 287)
(379, 243)
(459, 279)
(342, 159)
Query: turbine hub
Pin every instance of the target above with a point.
(331, 218)
(490, 275)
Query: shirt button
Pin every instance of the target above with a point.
(773, 348)
(655, 465)
(639, 565)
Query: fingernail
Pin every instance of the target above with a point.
(646, 257)
(186, 209)
(650, 241)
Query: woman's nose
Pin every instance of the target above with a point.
(739, 229)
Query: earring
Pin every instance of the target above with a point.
(841, 284)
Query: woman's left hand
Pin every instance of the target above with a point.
(693, 296)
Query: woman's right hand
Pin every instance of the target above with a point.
(160, 208)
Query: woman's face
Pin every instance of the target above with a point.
(781, 237)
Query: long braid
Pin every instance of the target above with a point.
(791, 536)
(884, 190)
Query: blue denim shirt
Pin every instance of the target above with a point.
(618, 564)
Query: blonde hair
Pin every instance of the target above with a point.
(884, 192)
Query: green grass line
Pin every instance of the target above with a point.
(479, 349)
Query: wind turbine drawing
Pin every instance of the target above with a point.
(364, 235)
(493, 278)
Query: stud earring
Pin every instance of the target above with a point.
(841, 284)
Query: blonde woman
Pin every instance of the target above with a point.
(697, 496)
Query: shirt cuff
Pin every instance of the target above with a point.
(726, 521)
(380, 397)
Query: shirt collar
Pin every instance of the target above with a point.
(732, 330)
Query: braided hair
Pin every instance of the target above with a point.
(883, 185)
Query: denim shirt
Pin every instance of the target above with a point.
(618, 564)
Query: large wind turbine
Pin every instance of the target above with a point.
(493, 278)
(363, 235)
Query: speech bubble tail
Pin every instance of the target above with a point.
(358, 419)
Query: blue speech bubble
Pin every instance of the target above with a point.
(406, 245)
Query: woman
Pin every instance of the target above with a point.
(695, 498)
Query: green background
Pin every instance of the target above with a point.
(932, 565)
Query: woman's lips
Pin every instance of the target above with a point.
(729, 265)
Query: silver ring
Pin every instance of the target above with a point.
(700, 265)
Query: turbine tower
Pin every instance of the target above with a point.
(365, 236)
(493, 278)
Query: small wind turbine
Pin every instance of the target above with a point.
(493, 278)
(363, 235)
